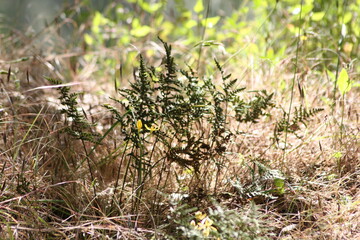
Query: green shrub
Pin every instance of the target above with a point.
(173, 115)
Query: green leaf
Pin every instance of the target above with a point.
(337, 155)
(199, 7)
(141, 31)
(279, 183)
(151, 7)
(135, 23)
(99, 20)
(347, 17)
(88, 39)
(317, 16)
(343, 82)
(305, 9)
(331, 75)
(210, 22)
(270, 54)
(356, 29)
(260, 3)
(190, 24)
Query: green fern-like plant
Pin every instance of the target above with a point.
(80, 127)
(300, 116)
(267, 183)
(170, 109)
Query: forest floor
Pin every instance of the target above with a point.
(83, 167)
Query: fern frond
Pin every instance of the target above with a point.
(300, 115)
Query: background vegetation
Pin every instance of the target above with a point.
(180, 120)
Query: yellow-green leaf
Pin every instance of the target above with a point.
(347, 17)
(317, 16)
(135, 23)
(279, 183)
(88, 39)
(151, 7)
(331, 75)
(270, 53)
(99, 20)
(337, 155)
(190, 23)
(140, 31)
(343, 82)
(210, 22)
(199, 7)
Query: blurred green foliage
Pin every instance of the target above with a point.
(262, 31)
(267, 30)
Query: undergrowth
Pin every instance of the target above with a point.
(177, 130)
(178, 152)
(174, 122)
